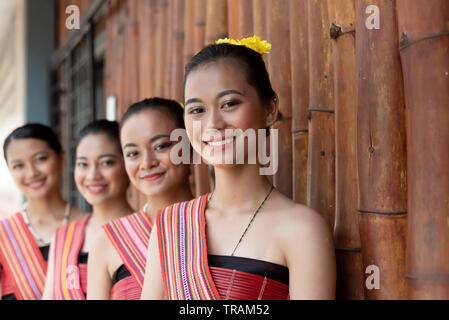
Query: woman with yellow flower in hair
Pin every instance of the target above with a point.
(245, 240)
(117, 261)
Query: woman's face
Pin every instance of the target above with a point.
(218, 98)
(35, 167)
(146, 146)
(99, 171)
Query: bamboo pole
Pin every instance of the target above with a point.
(189, 32)
(260, 18)
(153, 21)
(170, 45)
(120, 62)
(144, 21)
(381, 157)
(350, 273)
(177, 72)
(280, 74)
(132, 54)
(245, 18)
(300, 96)
(216, 20)
(233, 19)
(424, 50)
(321, 155)
(200, 24)
(161, 46)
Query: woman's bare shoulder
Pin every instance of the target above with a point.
(298, 220)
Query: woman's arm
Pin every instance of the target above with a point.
(48, 289)
(153, 287)
(99, 280)
(310, 257)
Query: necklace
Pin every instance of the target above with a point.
(40, 240)
(145, 207)
(252, 218)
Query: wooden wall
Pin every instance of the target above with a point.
(353, 115)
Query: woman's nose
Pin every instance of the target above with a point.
(149, 160)
(94, 172)
(32, 171)
(215, 120)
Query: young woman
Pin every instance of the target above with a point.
(117, 262)
(101, 178)
(246, 240)
(35, 159)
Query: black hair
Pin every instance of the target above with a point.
(34, 131)
(108, 128)
(171, 107)
(252, 62)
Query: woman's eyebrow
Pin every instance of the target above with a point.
(158, 137)
(230, 91)
(129, 145)
(192, 100)
(219, 95)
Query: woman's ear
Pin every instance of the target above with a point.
(272, 111)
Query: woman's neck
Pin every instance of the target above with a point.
(156, 203)
(238, 188)
(110, 210)
(47, 208)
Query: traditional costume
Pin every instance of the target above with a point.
(23, 263)
(70, 264)
(189, 273)
(129, 236)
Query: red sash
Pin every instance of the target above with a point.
(183, 252)
(130, 236)
(21, 258)
(67, 282)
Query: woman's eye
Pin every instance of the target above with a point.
(196, 110)
(81, 165)
(42, 159)
(108, 163)
(163, 146)
(229, 104)
(17, 166)
(132, 154)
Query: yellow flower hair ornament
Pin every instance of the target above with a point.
(254, 43)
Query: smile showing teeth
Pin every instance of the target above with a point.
(219, 143)
(96, 189)
(36, 184)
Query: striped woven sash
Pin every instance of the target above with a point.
(68, 243)
(130, 236)
(183, 251)
(21, 258)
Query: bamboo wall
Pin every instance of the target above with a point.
(364, 132)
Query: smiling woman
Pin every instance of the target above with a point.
(35, 160)
(117, 262)
(246, 240)
(101, 179)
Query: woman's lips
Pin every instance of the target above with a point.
(152, 177)
(36, 185)
(96, 188)
(219, 144)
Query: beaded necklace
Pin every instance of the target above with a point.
(41, 241)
